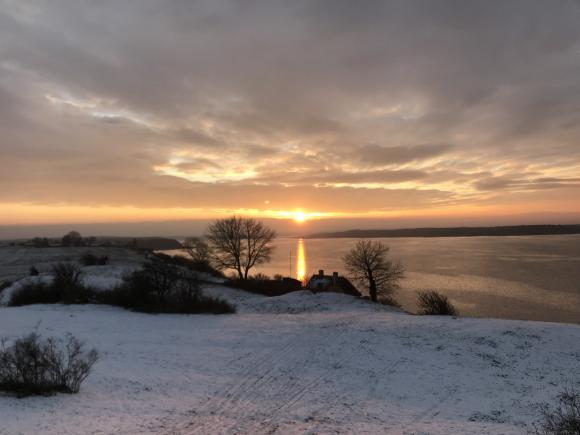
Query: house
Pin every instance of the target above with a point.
(331, 283)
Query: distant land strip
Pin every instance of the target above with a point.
(514, 230)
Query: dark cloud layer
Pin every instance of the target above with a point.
(329, 105)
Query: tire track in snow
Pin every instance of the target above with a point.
(270, 386)
(235, 397)
(333, 354)
(434, 410)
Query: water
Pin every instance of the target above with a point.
(532, 278)
(528, 278)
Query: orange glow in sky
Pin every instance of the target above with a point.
(150, 128)
(41, 214)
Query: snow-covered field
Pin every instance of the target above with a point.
(296, 364)
(15, 261)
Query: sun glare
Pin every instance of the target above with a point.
(299, 216)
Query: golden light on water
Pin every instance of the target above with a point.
(300, 261)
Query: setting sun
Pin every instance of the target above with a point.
(299, 216)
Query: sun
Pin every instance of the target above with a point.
(299, 216)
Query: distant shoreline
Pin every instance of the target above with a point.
(513, 230)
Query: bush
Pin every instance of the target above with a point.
(36, 292)
(33, 271)
(389, 301)
(66, 275)
(67, 281)
(94, 260)
(193, 265)
(36, 366)
(433, 303)
(162, 287)
(187, 298)
(267, 287)
(4, 285)
(563, 419)
(260, 277)
(66, 287)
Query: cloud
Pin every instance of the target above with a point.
(506, 183)
(338, 177)
(378, 155)
(197, 165)
(319, 103)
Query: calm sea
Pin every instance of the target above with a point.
(533, 278)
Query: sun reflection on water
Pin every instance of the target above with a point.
(301, 261)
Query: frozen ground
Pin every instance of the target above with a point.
(95, 277)
(297, 364)
(15, 261)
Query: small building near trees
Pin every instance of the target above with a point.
(331, 283)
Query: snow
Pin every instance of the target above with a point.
(7, 292)
(301, 363)
(96, 277)
(106, 277)
(15, 261)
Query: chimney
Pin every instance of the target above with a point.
(321, 273)
(334, 278)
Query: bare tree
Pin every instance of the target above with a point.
(240, 244)
(197, 249)
(368, 264)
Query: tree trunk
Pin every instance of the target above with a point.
(373, 290)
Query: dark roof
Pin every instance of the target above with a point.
(330, 283)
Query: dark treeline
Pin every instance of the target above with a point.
(75, 239)
(515, 230)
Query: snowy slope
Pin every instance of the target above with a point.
(299, 363)
(15, 262)
(95, 277)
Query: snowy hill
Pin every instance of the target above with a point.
(299, 363)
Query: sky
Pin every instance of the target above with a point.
(393, 113)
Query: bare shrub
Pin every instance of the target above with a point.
(260, 277)
(186, 291)
(187, 298)
(433, 303)
(562, 419)
(267, 287)
(66, 275)
(389, 301)
(36, 366)
(194, 266)
(162, 287)
(4, 285)
(67, 281)
(156, 279)
(197, 249)
(66, 287)
(35, 292)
